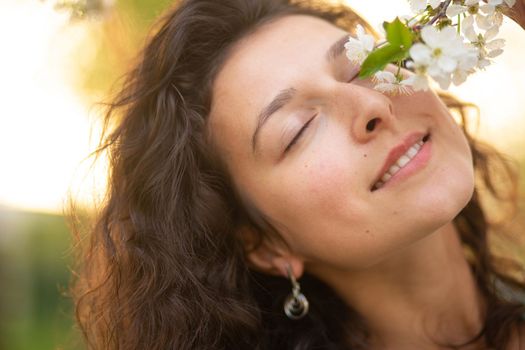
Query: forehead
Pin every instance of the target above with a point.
(279, 55)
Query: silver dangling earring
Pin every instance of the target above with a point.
(296, 304)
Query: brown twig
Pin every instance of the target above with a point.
(442, 12)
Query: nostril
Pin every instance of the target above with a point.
(371, 125)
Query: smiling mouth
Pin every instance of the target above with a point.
(401, 162)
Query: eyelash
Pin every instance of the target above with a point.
(305, 126)
(298, 136)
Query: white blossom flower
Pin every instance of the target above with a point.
(384, 76)
(389, 83)
(358, 49)
(419, 6)
(470, 6)
(418, 81)
(467, 24)
(442, 55)
(493, 17)
(466, 66)
(444, 47)
(497, 3)
(422, 61)
(455, 9)
(434, 3)
(486, 45)
(444, 80)
(493, 10)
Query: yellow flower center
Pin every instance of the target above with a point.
(473, 9)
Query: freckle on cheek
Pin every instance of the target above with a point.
(365, 155)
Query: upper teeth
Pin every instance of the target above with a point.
(400, 163)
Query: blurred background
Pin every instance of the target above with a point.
(57, 60)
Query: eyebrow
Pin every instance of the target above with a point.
(286, 95)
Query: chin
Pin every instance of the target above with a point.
(445, 202)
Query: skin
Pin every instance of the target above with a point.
(392, 254)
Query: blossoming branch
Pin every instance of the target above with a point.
(443, 40)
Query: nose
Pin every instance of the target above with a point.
(375, 113)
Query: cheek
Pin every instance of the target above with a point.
(330, 172)
(454, 176)
(318, 180)
(329, 176)
(325, 200)
(312, 189)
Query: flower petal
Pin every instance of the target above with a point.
(470, 34)
(495, 53)
(434, 3)
(497, 19)
(356, 58)
(471, 2)
(483, 63)
(421, 54)
(454, 10)
(447, 64)
(385, 87)
(366, 40)
(368, 43)
(417, 82)
(359, 31)
(431, 36)
(355, 51)
(484, 22)
(467, 23)
(496, 44)
(448, 34)
(385, 77)
(470, 60)
(443, 81)
(487, 9)
(418, 6)
(459, 77)
(434, 70)
(491, 33)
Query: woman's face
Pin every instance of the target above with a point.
(287, 79)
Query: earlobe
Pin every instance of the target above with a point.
(295, 265)
(269, 261)
(268, 256)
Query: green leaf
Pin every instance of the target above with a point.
(378, 59)
(400, 39)
(398, 34)
(385, 25)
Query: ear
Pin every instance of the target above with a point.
(269, 255)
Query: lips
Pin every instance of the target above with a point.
(396, 152)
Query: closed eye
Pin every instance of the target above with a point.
(298, 135)
(355, 74)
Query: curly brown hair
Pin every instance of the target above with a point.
(162, 266)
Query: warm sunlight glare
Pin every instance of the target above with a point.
(44, 125)
(44, 128)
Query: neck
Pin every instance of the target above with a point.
(421, 296)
